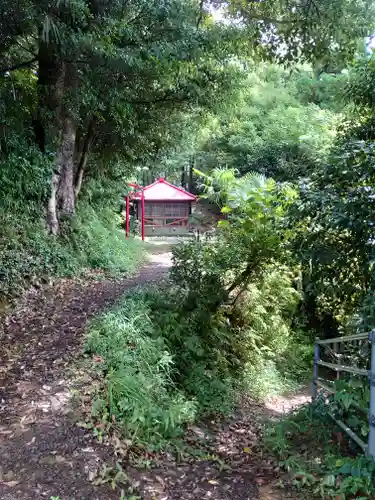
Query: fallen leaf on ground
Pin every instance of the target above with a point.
(11, 484)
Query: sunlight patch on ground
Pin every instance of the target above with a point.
(161, 259)
(288, 402)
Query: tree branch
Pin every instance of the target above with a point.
(200, 16)
(24, 64)
(238, 296)
(84, 157)
(243, 277)
(25, 48)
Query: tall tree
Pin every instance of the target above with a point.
(326, 31)
(266, 128)
(333, 217)
(106, 66)
(99, 66)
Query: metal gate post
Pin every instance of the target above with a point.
(316, 367)
(371, 437)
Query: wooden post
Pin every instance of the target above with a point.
(127, 221)
(316, 368)
(143, 215)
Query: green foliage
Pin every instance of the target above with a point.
(332, 222)
(24, 178)
(164, 61)
(29, 255)
(157, 72)
(278, 359)
(227, 316)
(348, 398)
(139, 394)
(250, 238)
(359, 88)
(332, 219)
(325, 90)
(235, 293)
(275, 125)
(206, 353)
(306, 30)
(162, 365)
(100, 242)
(307, 447)
(184, 94)
(331, 231)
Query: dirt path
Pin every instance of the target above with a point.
(231, 465)
(45, 455)
(42, 452)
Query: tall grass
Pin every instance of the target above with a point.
(138, 391)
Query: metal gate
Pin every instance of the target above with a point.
(318, 383)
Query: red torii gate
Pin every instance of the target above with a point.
(137, 190)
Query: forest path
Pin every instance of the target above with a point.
(229, 463)
(45, 455)
(42, 452)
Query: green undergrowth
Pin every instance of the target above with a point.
(138, 392)
(92, 240)
(320, 459)
(161, 367)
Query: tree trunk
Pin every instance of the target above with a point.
(62, 192)
(80, 171)
(83, 158)
(190, 175)
(66, 196)
(241, 278)
(56, 130)
(52, 220)
(51, 77)
(47, 125)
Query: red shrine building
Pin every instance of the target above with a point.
(166, 208)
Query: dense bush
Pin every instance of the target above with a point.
(167, 357)
(223, 326)
(206, 353)
(101, 244)
(251, 341)
(240, 292)
(277, 358)
(162, 366)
